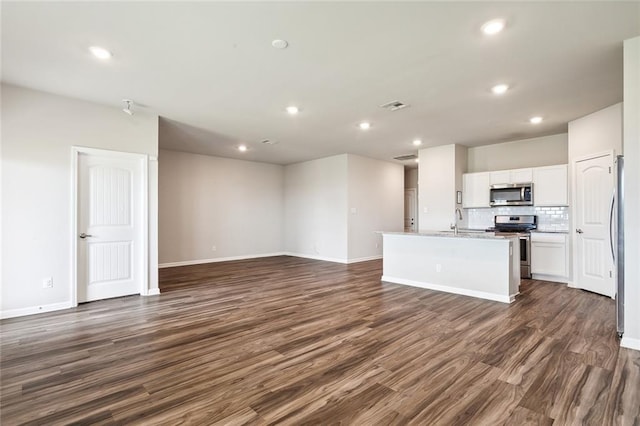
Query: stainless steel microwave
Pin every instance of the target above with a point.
(511, 194)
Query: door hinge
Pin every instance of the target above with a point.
(609, 169)
(610, 274)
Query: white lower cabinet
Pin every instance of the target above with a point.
(549, 256)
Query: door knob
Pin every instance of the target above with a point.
(579, 231)
(83, 235)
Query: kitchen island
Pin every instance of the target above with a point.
(474, 264)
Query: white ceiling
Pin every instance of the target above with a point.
(208, 69)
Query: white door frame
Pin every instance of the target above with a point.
(144, 203)
(572, 215)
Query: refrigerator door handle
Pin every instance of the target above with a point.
(613, 201)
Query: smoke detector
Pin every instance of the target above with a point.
(394, 105)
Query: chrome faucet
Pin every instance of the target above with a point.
(457, 213)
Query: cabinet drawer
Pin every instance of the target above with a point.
(539, 237)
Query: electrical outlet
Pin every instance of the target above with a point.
(214, 248)
(47, 282)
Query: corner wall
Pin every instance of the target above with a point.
(376, 203)
(315, 209)
(210, 202)
(38, 131)
(631, 338)
(439, 178)
(335, 205)
(597, 132)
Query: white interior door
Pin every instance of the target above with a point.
(594, 185)
(110, 226)
(410, 210)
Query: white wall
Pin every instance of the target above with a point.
(598, 132)
(376, 203)
(440, 176)
(315, 212)
(205, 201)
(535, 152)
(38, 131)
(631, 131)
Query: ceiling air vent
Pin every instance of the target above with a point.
(393, 105)
(406, 157)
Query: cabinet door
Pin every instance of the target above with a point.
(475, 190)
(550, 186)
(511, 176)
(549, 254)
(521, 176)
(502, 176)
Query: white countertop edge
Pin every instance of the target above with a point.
(461, 235)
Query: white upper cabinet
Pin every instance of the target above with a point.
(550, 186)
(475, 190)
(511, 176)
(521, 175)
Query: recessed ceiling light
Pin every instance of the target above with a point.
(417, 160)
(242, 148)
(500, 89)
(417, 142)
(493, 27)
(100, 52)
(293, 110)
(280, 44)
(535, 120)
(365, 125)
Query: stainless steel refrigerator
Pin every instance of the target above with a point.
(617, 239)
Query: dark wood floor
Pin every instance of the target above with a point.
(295, 341)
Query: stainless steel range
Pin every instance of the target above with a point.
(521, 226)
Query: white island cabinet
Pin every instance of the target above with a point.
(475, 264)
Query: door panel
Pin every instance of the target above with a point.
(410, 210)
(594, 189)
(110, 208)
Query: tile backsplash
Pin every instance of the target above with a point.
(549, 218)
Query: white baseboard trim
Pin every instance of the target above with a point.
(364, 259)
(256, 256)
(152, 292)
(21, 312)
(551, 278)
(333, 259)
(454, 290)
(629, 343)
(315, 257)
(217, 259)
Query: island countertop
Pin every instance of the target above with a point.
(477, 264)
